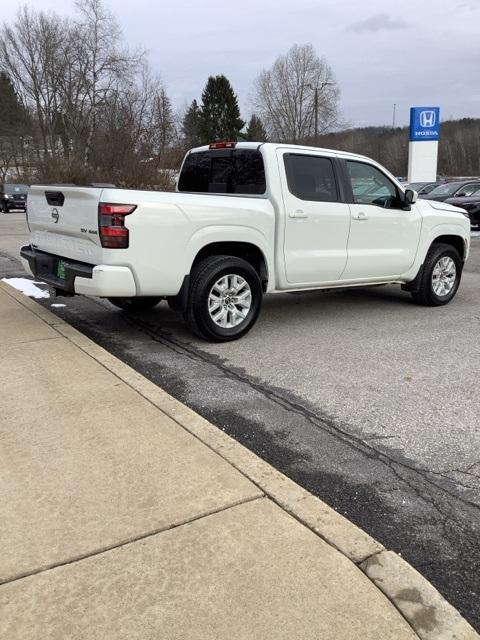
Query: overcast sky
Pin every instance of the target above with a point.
(408, 52)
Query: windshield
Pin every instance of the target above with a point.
(415, 185)
(446, 189)
(428, 188)
(15, 188)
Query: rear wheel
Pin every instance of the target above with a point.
(225, 298)
(440, 277)
(135, 304)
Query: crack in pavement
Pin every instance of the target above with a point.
(447, 474)
(320, 420)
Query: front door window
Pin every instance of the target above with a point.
(371, 186)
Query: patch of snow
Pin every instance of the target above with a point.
(58, 305)
(27, 287)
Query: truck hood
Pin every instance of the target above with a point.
(441, 206)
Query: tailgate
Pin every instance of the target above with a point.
(64, 221)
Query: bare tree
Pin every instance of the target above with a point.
(95, 109)
(7, 158)
(296, 93)
(161, 126)
(32, 54)
(102, 63)
(14, 129)
(64, 71)
(134, 136)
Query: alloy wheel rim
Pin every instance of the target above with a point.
(444, 276)
(229, 301)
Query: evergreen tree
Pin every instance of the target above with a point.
(13, 118)
(164, 122)
(220, 114)
(255, 130)
(191, 124)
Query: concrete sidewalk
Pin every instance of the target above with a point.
(120, 521)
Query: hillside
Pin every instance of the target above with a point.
(459, 147)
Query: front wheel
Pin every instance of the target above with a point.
(135, 304)
(225, 298)
(440, 277)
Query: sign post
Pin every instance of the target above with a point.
(423, 145)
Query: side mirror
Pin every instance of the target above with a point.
(409, 198)
(462, 194)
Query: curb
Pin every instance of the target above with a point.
(423, 607)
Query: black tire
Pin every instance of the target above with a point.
(203, 278)
(135, 304)
(425, 294)
(3, 207)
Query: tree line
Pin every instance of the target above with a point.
(76, 103)
(78, 106)
(458, 150)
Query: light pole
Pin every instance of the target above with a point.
(316, 90)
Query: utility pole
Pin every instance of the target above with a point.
(394, 113)
(315, 106)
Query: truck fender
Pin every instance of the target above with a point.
(439, 230)
(226, 233)
(212, 235)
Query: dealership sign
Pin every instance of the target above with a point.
(424, 123)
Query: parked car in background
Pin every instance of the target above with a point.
(471, 204)
(459, 189)
(13, 196)
(422, 187)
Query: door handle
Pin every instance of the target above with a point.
(360, 216)
(298, 213)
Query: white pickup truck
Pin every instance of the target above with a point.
(246, 219)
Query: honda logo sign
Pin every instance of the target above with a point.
(427, 119)
(424, 123)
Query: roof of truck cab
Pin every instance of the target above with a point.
(285, 145)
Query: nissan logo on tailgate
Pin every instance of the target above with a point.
(55, 215)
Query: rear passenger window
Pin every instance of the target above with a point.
(239, 171)
(311, 178)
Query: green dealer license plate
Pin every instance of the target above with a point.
(61, 269)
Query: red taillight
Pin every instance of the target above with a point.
(122, 209)
(222, 145)
(111, 224)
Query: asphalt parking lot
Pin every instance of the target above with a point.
(364, 398)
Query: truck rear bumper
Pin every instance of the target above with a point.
(79, 277)
(109, 282)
